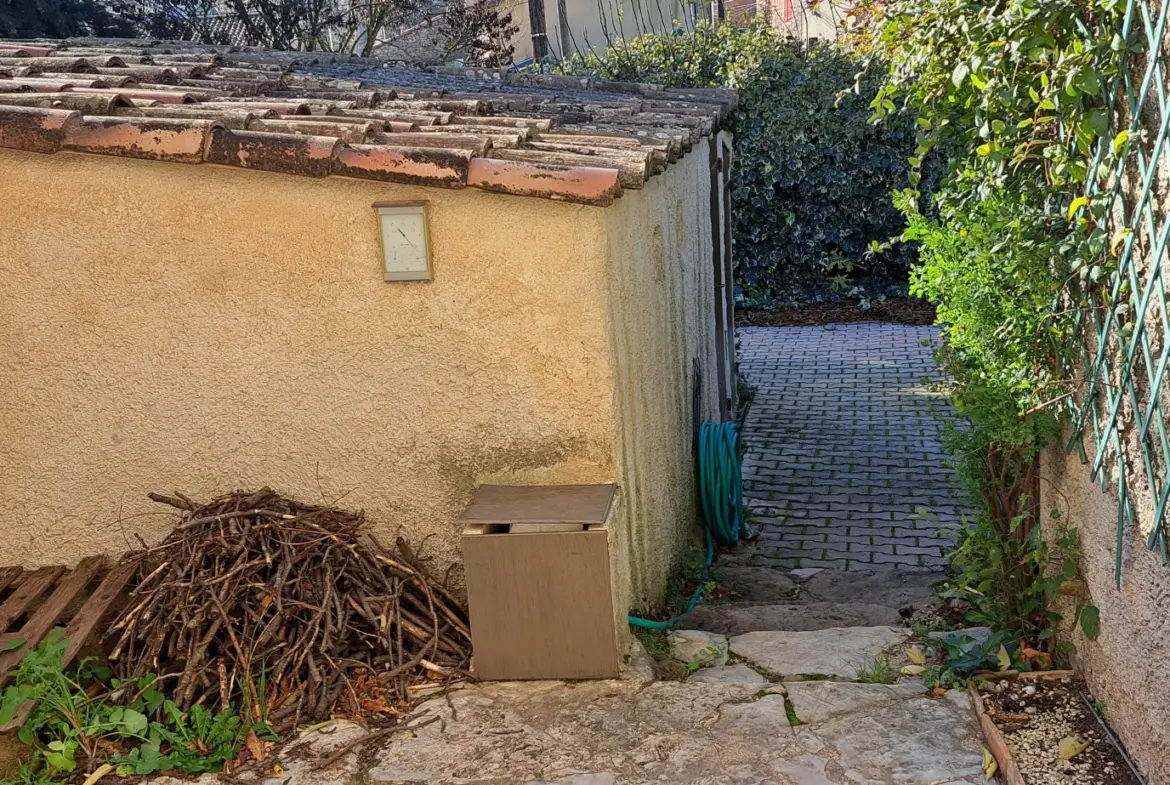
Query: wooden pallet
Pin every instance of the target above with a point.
(37, 601)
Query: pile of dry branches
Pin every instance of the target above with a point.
(289, 611)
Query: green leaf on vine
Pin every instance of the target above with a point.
(1091, 622)
(960, 73)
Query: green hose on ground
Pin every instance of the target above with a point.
(720, 480)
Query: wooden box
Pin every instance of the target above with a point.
(538, 582)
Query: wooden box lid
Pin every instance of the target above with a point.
(584, 505)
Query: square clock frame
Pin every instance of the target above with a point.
(406, 241)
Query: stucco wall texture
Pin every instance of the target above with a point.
(662, 306)
(165, 327)
(1126, 667)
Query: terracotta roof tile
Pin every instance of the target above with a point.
(34, 129)
(81, 102)
(133, 93)
(318, 114)
(443, 167)
(565, 183)
(24, 50)
(312, 156)
(159, 139)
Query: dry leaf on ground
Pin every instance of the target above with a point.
(1072, 746)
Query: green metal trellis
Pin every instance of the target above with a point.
(1126, 357)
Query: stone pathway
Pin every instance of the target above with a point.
(842, 452)
(844, 467)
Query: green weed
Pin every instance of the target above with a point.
(83, 718)
(878, 671)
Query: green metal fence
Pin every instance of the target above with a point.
(1124, 409)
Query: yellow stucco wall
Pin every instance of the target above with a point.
(198, 328)
(1133, 685)
(662, 306)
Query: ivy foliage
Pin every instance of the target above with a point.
(1015, 95)
(812, 176)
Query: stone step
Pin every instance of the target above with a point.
(768, 598)
(737, 618)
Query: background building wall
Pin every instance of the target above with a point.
(806, 19)
(594, 25)
(205, 328)
(1124, 667)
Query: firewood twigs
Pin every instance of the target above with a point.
(280, 607)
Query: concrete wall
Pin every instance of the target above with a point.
(662, 306)
(1126, 666)
(199, 328)
(203, 328)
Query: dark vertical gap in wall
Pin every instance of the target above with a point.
(721, 356)
(728, 278)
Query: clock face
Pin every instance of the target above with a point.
(404, 243)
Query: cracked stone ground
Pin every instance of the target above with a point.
(842, 453)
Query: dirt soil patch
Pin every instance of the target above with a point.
(895, 310)
(1035, 716)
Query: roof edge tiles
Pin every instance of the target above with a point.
(572, 139)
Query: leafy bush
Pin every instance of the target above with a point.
(1003, 568)
(1015, 96)
(60, 19)
(811, 176)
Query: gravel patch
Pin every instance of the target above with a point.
(1034, 717)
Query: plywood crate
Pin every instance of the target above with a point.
(538, 582)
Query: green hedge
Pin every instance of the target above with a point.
(812, 177)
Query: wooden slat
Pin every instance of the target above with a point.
(95, 608)
(8, 575)
(45, 617)
(82, 624)
(32, 588)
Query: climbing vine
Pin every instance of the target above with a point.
(1015, 98)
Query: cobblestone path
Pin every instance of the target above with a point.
(844, 466)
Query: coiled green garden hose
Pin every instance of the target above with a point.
(720, 480)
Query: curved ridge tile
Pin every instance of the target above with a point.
(34, 129)
(301, 154)
(443, 167)
(580, 184)
(158, 139)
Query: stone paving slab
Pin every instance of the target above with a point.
(814, 702)
(844, 466)
(837, 652)
(667, 733)
(738, 619)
